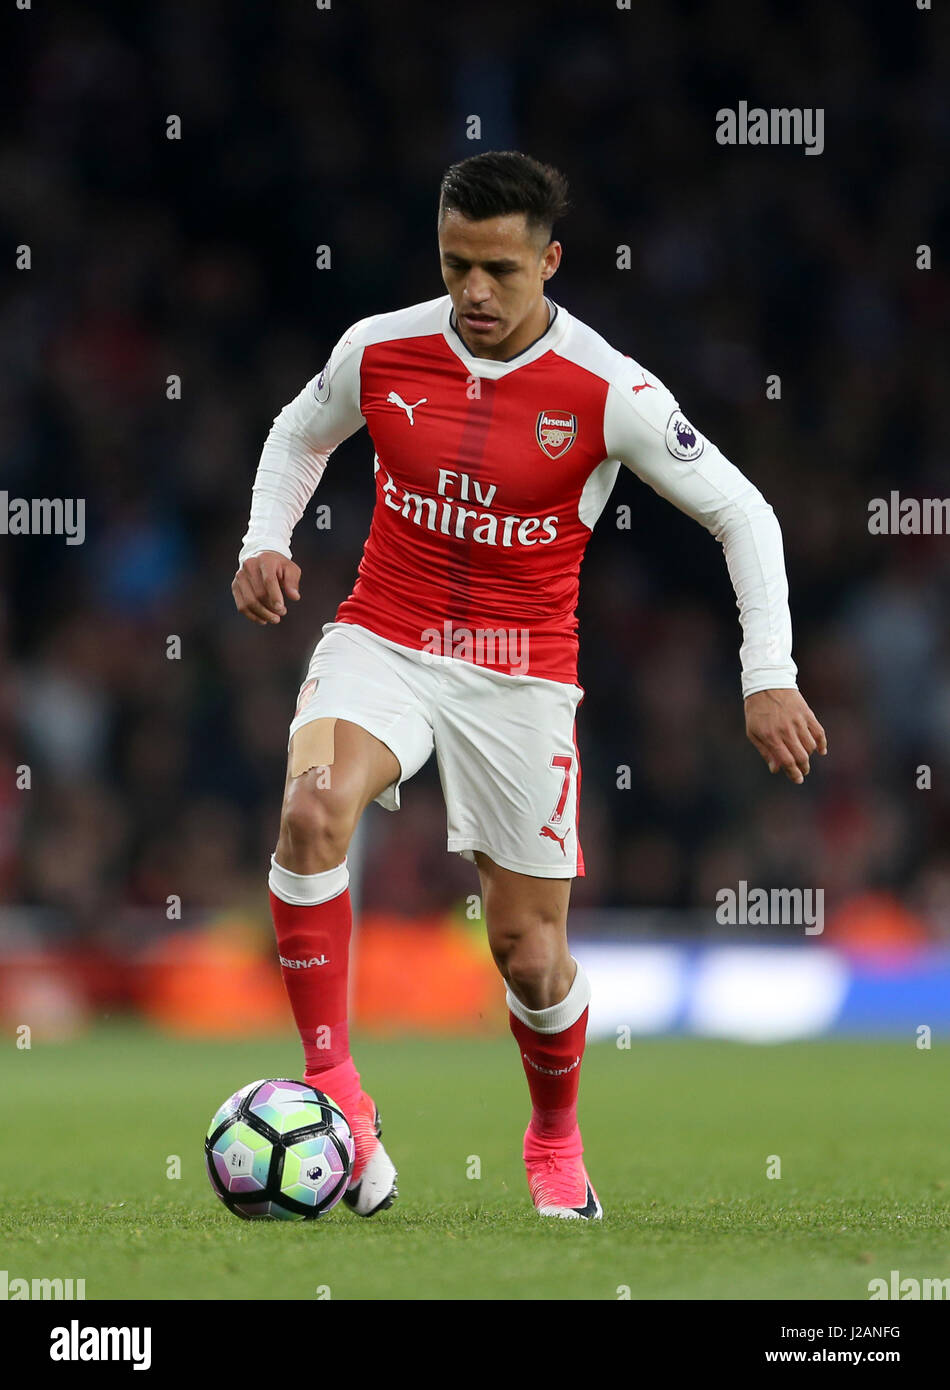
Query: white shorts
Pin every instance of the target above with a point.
(505, 745)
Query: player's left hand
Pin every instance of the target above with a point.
(785, 731)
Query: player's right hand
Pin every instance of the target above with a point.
(260, 585)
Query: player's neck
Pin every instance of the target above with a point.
(528, 332)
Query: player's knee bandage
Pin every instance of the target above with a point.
(312, 746)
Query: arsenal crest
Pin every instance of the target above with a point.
(556, 432)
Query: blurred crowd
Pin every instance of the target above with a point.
(154, 774)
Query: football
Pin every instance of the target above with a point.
(280, 1150)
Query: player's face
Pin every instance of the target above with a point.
(495, 272)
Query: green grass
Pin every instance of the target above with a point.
(677, 1135)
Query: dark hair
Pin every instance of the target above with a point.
(505, 181)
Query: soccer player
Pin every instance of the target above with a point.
(499, 423)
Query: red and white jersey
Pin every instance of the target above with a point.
(490, 477)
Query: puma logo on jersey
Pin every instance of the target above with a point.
(396, 399)
(548, 833)
(644, 386)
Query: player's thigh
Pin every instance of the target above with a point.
(359, 729)
(360, 767)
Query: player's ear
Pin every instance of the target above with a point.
(551, 259)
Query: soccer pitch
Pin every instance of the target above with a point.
(679, 1137)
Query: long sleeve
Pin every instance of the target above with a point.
(301, 440)
(648, 433)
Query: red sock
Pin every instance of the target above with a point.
(313, 918)
(552, 1064)
(552, 1043)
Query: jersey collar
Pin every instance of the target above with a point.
(487, 367)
